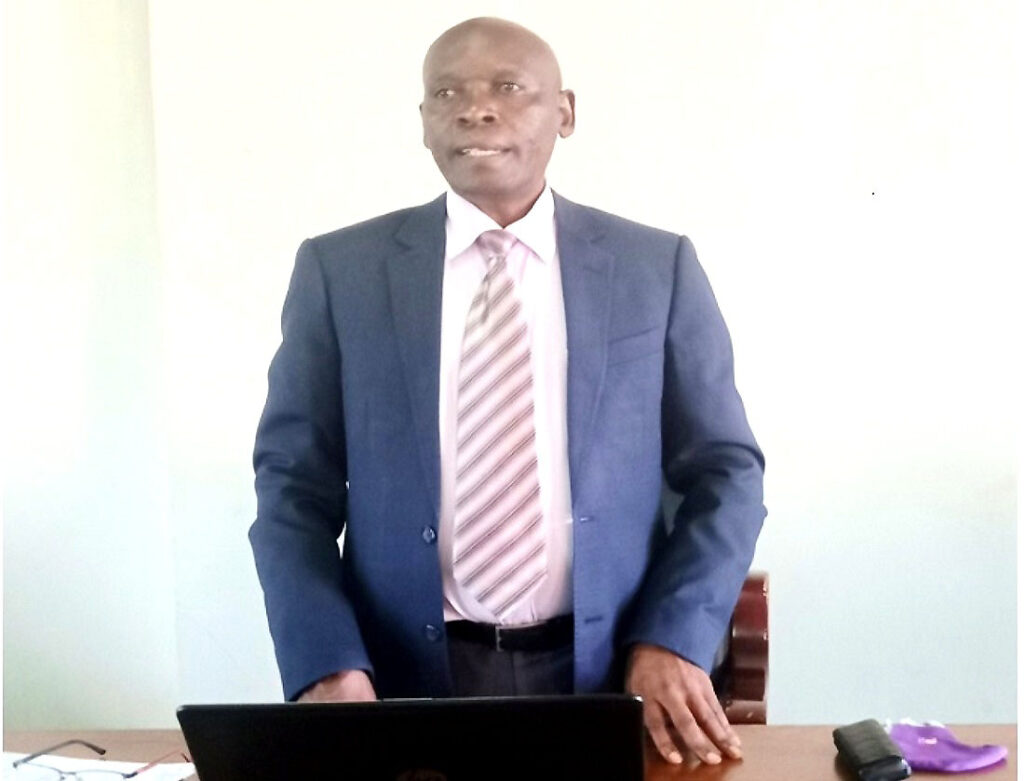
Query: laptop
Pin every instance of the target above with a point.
(598, 736)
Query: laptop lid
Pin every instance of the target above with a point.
(558, 737)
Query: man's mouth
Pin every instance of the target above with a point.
(479, 151)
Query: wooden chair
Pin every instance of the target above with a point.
(741, 679)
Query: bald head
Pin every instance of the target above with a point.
(493, 105)
(491, 32)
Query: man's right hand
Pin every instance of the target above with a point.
(344, 686)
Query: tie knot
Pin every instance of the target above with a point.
(495, 243)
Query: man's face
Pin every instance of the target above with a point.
(491, 112)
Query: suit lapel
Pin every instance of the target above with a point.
(414, 278)
(586, 287)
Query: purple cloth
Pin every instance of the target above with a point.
(933, 747)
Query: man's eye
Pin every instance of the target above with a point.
(444, 92)
(510, 86)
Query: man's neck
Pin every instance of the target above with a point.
(504, 212)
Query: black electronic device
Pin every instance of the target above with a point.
(866, 749)
(579, 736)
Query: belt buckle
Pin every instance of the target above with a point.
(497, 638)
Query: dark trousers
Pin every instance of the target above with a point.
(479, 671)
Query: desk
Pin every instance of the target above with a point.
(772, 753)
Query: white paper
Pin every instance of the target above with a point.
(165, 771)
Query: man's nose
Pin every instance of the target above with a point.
(477, 109)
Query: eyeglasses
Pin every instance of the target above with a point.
(33, 771)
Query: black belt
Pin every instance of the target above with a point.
(545, 636)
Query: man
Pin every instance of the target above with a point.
(607, 368)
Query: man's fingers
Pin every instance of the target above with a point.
(711, 722)
(711, 719)
(657, 729)
(728, 739)
(693, 735)
(686, 723)
(717, 723)
(701, 723)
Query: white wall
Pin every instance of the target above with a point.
(89, 599)
(847, 171)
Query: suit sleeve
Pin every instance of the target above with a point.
(710, 457)
(300, 465)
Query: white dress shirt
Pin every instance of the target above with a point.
(539, 285)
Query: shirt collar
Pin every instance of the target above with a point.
(465, 222)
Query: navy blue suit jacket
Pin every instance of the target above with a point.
(348, 442)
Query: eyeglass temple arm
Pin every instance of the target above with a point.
(156, 762)
(47, 750)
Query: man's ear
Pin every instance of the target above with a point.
(567, 99)
(424, 127)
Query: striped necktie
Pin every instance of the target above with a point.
(499, 554)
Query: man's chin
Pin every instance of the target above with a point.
(481, 173)
(487, 189)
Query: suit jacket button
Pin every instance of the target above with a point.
(429, 535)
(432, 633)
